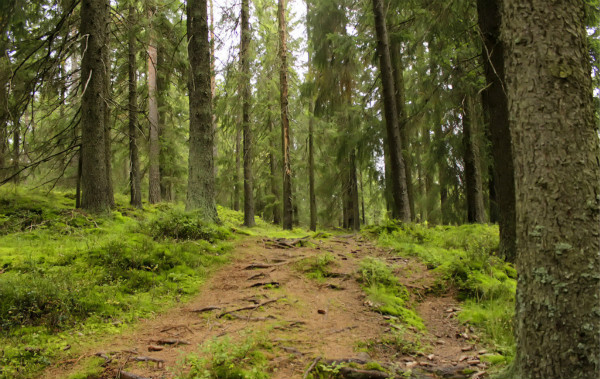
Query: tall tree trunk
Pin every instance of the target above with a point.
(311, 171)
(274, 175)
(154, 145)
(165, 166)
(475, 207)
(285, 124)
(107, 133)
(245, 63)
(401, 209)
(96, 194)
(557, 182)
(428, 176)
(494, 98)
(134, 160)
(213, 82)
(398, 71)
(16, 142)
(442, 165)
(4, 114)
(238, 164)
(201, 180)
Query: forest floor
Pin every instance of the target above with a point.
(267, 293)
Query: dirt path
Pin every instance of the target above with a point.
(262, 289)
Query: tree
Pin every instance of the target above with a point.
(285, 123)
(474, 187)
(557, 182)
(494, 102)
(134, 160)
(401, 208)
(201, 180)
(246, 97)
(154, 147)
(95, 177)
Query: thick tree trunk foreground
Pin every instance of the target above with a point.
(557, 183)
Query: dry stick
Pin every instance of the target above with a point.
(250, 307)
(311, 367)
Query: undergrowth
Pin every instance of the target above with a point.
(386, 292)
(66, 276)
(223, 358)
(465, 257)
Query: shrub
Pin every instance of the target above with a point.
(185, 226)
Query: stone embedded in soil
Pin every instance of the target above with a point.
(467, 348)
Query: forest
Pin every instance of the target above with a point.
(196, 189)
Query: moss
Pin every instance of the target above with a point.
(72, 271)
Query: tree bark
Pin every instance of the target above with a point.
(134, 159)
(238, 164)
(201, 180)
(154, 142)
(398, 71)
(96, 194)
(4, 115)
(16, 142)
(557, 182)
(274, 175)
(246, 94)
(401, 208)
(494, 98)
(311, 171)
(474, 187)
(285, 124)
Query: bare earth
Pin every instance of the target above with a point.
(305, 318)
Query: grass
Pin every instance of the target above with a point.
(223, 358)
(386, 292)
(317, 267)
(68, 277)
(464, 256)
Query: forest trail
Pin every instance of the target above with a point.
(304, 319)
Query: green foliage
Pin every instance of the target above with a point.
(222, 358)
(69, 271)
(317, 267)
(386, 292)
(181, 225)
(464, 257)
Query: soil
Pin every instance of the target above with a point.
(304, 318)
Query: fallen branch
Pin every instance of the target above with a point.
(311, 367)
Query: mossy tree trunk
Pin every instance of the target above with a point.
(134, 159)
(557, 182)
(201, 180)
(95, 183)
